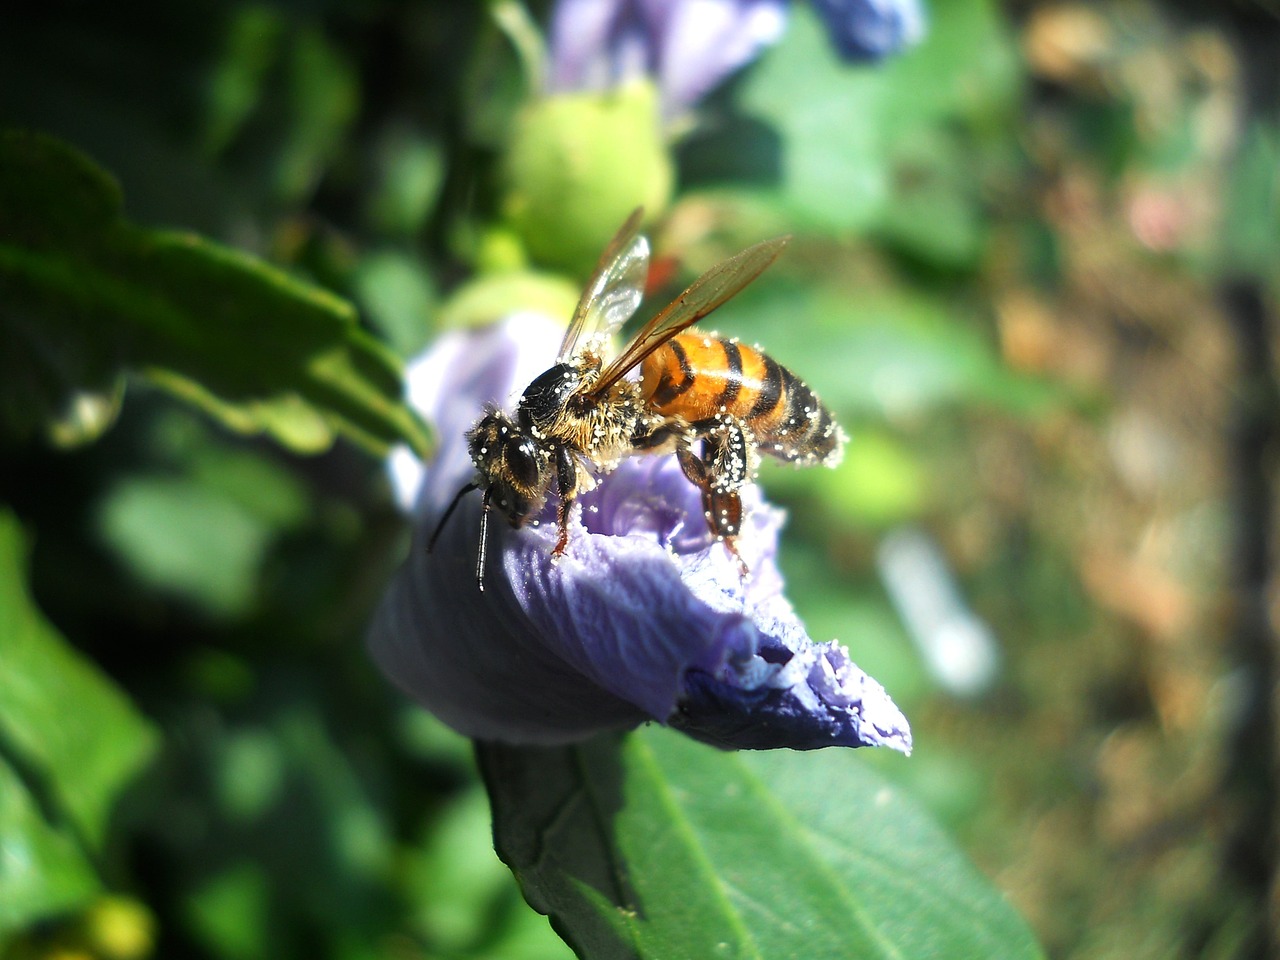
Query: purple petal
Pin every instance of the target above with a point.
(473, 659)
(707, 40)
(804, 698)
(596, 44)
(868, 30)
(688, 46)
(645, 617)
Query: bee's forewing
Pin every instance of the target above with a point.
(705, 294)
(614, 291)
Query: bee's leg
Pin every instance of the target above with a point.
(567, 481)
(651, 437)
(727, 456)
(726, 465)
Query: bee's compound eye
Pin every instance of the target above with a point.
(522, 461)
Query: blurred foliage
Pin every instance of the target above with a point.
(71, 740)
(86, 294)
(1010, 248)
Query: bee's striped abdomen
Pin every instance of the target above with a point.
(698, 377)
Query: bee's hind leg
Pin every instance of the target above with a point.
(723, 469)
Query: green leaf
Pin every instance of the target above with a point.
(251, 45)
(324, 95)
(70, 741)
(43, 871)
(58, 712)
(833, 170)
(230, 913)
(202, 527)
(966, 69)
(411, 174)
(935, 214)
(886, 351)
(85, 294)
(295, 851)
(397, 294)
(1249, 238)
(844, 132)
(463, 898)
(651, 845)
(153, 522)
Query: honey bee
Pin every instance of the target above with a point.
(582, 415)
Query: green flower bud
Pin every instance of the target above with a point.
(578, 164)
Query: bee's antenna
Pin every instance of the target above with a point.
(484, 541)
(453, 505)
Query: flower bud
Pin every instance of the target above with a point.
(578, 164)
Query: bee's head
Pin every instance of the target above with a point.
(514, 469)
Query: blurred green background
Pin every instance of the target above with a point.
(1034, 274)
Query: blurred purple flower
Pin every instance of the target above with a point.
(868, 30)
(690, 46)
(687, 46)
(644, 618)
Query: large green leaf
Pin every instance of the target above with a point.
(654, 846)
(70, 741)
(84, 294)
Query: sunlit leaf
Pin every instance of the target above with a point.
(966, 69)
(412, 172)
(84, 293)
(201, 525)
(935, 215)
(43, 870)
(397, 294)
(156, 523)
(70, 741)
(838, 131)
(887, 351)
(832, 167)
(58, 711)
(651, 845)
(463, 897)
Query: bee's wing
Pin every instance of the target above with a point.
(705, 294)
(613, 293)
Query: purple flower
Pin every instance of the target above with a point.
(690, 46)
(687, 46)
(644, 618)
(867, 30)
